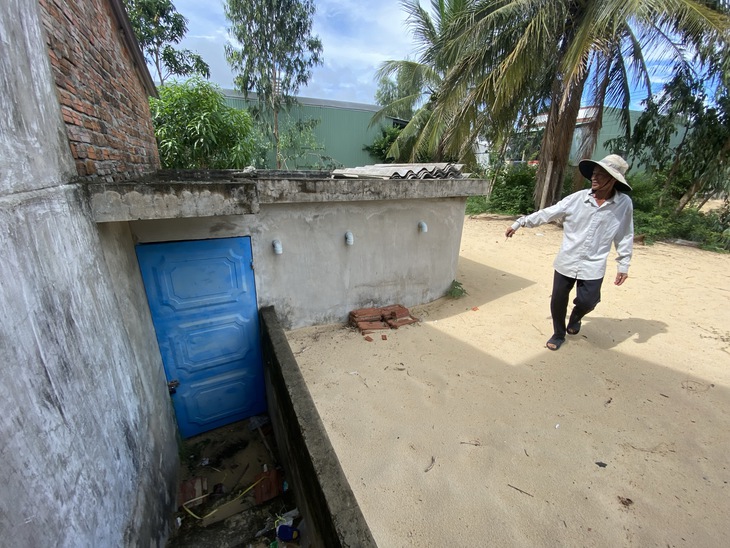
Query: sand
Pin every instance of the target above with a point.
(464, 430)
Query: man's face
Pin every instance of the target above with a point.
(601, 181)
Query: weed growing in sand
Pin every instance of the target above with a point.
(456, 291)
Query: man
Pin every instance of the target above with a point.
(592, 220)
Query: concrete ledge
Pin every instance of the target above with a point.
(165, 200)
(323, 494)
(339, 190)
(200, 193)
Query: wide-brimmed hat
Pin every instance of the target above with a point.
(613, 164)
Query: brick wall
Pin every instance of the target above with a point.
(103, 99)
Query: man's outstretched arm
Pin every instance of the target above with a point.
(545, 215)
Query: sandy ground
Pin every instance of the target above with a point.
(464, 430)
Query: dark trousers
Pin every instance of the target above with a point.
(588, 295)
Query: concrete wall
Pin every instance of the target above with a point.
(88, 447)
(319, 279)
(322, 492)
(30, 158)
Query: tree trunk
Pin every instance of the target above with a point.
(706, 199)
(557, 140)
(689, 194)
(500, 165)
(275, 111)
(589, 137)
(673, 169)
(276, 136)
(158, 68)
(700, 182)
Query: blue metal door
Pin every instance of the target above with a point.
(203, 303)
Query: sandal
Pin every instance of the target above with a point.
(556, 342)
(574, 328)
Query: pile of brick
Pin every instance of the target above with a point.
(368, 320)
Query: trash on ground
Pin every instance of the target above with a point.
(625, 501)
(433, 462)
(193, 490)
(268, 486)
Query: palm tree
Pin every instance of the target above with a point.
(511, 55)
(422, 137)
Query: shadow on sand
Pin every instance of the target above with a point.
(483, 284)
(605, 333)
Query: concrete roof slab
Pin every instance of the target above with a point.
(181, 194)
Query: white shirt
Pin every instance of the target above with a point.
(588, 231)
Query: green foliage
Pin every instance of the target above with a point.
(196, 130)
(276, 55)
(525, 145)
(158, 25)
(645, 193)
(399, 93)
(513, 190)
(278, 50)
(652, 225)
(661, 222)
(261, 147)
(719, 222)
(381, 145)
(711, 230)
(701, 160)
(476, 205)
(456, 290)
(300, 148)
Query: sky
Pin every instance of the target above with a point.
(357, 36)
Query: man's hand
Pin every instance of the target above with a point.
(509, 232)
(621, 278)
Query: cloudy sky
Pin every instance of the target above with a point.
(357, 36)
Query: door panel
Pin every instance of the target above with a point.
(203, 303)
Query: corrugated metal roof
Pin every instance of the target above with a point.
(403, 171)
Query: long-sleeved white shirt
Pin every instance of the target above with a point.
(588, 231)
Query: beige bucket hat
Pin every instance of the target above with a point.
(613, 164)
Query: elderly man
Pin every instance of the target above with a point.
(592, 220)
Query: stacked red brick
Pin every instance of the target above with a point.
(368, 320)
(103, 98)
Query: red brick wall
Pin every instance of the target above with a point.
(103, 99)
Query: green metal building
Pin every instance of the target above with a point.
(610, 129)
(344, 129)
(342, 133)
